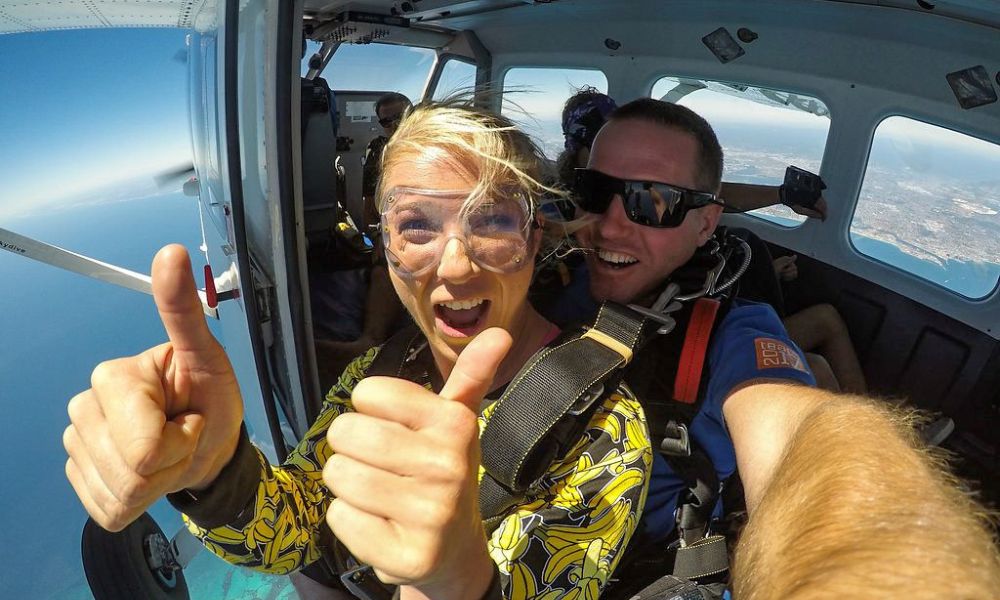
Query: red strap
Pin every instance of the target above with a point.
(695, 348)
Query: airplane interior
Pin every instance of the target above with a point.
(894, 103)
(917, 341)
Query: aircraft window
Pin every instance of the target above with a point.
(534, 98)
(380, 67)
(761, 131)
(456, 76)
(930, 205)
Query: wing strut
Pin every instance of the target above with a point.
(84, 265)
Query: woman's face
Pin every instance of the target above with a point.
(456, 298)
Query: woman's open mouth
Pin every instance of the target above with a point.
(461, 318)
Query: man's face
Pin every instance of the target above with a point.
(389, 116)
(631, 260)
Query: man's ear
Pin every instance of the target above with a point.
(537, 234)
(708, 220)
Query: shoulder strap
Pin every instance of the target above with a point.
(670, 376)
(692, 360)
(548, 404)
(397, 354)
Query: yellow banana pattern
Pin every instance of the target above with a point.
(563, 541)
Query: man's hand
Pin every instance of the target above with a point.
(164, 420)
(817, 211)
(785, 267)
(404, 474)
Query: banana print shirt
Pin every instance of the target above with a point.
(563, 541)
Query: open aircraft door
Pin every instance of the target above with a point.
(243, 84)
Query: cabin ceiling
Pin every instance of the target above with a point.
(446, 12)
(18, 16)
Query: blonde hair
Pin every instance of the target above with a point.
(482, 146)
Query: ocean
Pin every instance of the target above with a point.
(55, 326)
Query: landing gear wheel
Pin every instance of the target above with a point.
(133, 563)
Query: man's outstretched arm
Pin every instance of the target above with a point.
(845, 499)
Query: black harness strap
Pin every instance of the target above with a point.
(525, 435)
(706, 557)
(398, 356)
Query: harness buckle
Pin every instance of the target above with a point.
(583, 403)
(676, 440)
(661, 310)
(362, 582)
(711, 278)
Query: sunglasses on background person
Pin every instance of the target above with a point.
(649, 203)
(391, 120)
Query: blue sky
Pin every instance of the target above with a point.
(80, 109)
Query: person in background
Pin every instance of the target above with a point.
(381, 311)
(820, 328)
(389, 110)
(560, 289)
(583, 115)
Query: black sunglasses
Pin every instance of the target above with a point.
(649, 203)
(387, 121)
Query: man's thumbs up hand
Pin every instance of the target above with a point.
(164, 420)
(405, 475)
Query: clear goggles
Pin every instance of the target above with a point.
(418, 224)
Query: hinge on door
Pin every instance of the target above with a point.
(263, 295)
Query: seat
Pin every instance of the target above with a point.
(338, 271)
(319, 155)
(759, 283)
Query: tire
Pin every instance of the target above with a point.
(117, 568)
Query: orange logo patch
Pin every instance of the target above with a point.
(775, 354)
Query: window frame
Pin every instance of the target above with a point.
(329, 68)
(826, 103)
(502, 78)
(431, 89)
(985, 298)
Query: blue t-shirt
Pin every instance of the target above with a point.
(750, 343)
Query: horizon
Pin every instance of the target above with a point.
(133, 100)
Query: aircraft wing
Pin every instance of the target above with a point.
(84, 265)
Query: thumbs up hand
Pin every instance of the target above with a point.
(404, 472)
(164, 420)
(785, 267)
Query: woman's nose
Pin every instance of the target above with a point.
(456, 264)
